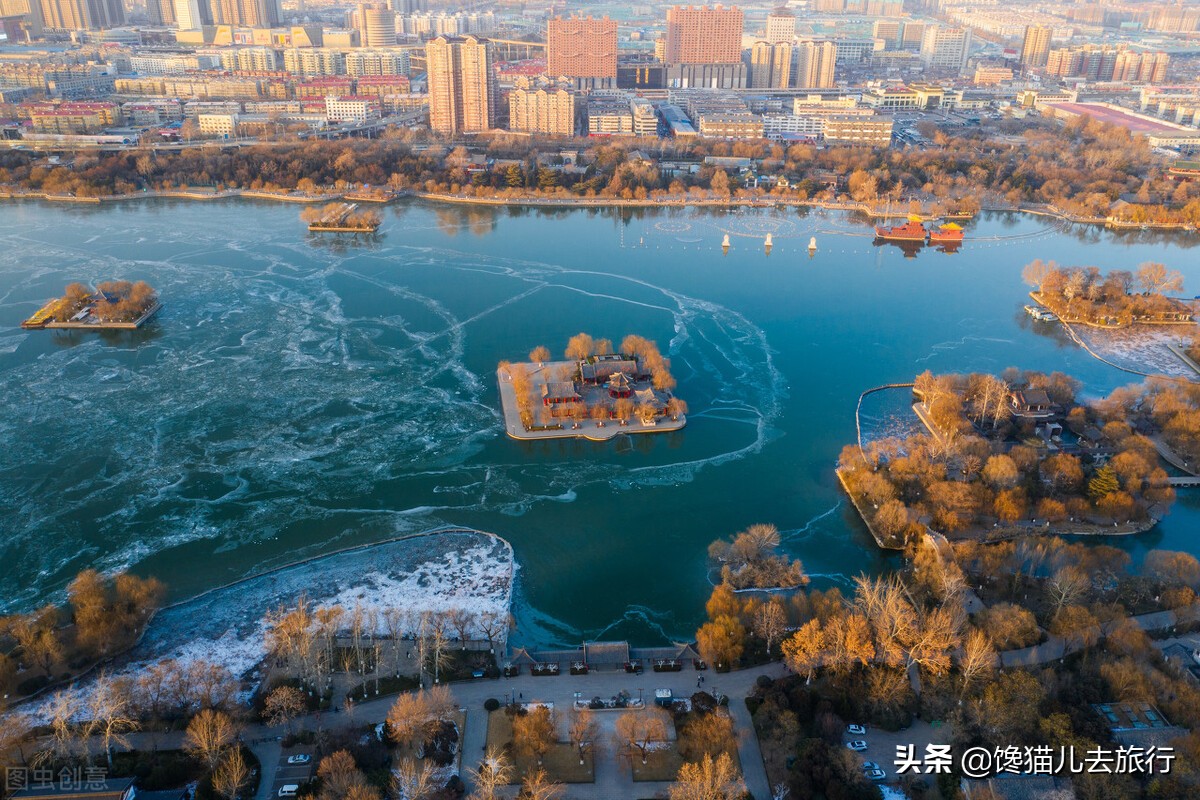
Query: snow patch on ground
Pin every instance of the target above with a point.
(435, 572)
(1141, 348)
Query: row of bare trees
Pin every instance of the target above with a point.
(307, 640)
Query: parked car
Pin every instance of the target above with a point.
(289, 790)
(870, 765)
(299, 758)
(856, 730)
(858, 745)
(876, 775)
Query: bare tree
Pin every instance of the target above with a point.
(978, 659)
(213, 685)
(642, 729)
(413, 779)
(460, 619)
(232, 775)
(413, 715)
(1155, 278)
(36, 635)
(209, 735)
(283, 705)
(533, 733)
(770, 622)
(340, 775)
(538, 786)
(393, 622)
(1067, 585)
(66, 742)
(109, 709)
(437, 656)
(494, 772)
(802, 652)
(491, 625)
(580, 346)
(583, 732)
(16, 729)
(709, 779)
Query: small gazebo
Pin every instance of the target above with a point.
(619, 385)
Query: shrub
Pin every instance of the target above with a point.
(491, 704)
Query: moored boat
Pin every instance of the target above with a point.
(950, 233)
(911, 231)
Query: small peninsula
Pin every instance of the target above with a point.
(119, 305)
(1017, 454)
(594, 393)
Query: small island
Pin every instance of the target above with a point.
(1085, 296)
(119, 305)
(1014, 455)
(594, 394)
(341, 218)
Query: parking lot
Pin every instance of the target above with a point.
(881, 744)
(298, 774)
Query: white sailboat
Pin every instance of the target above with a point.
(812, 244)
(725, 242)
(767, 243)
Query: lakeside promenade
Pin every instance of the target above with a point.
(674, 201)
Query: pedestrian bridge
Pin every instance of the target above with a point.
(1179, 483)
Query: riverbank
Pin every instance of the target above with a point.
(438, 571)
(592, 202)
(1000, 533)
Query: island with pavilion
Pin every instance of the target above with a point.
(594, 393)
(120, 305)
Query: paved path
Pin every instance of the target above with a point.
(1056, 647)
(613, 778)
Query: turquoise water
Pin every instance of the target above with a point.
(299, 395)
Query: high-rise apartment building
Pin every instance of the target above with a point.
(376, 25)
(462, 84)
(890, 31)
(1036, 48)
(1091, 62)
(581, 47)
(1133, 67)
(770, 65)
(189, 14)
(540, 111)
(703, 35)
(781, 26)
(946, 48)
(20, 15)
(161, 12)
(80, 15)
(913, 35)
(814, 65)
(247, 13)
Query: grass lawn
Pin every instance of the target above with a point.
(561, 762)
(661, 765)
(387, 685)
